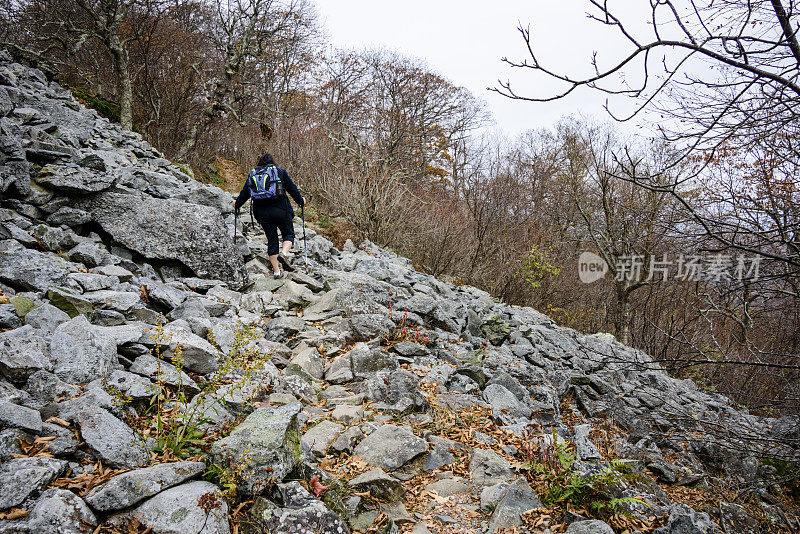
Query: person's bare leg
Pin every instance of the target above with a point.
(287, 246)
(276, 267)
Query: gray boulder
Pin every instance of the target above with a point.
(516, 499)
(161, 371)
(163, 229)
(15, 416)
(114, 442)
(401, 388)
(488, 468)
(511, 384)
(198, 355)
(263, 448)
(282, 328)
(448, 487)
(33, 270)
(590, 526)
(22, 353)
(88, 253)
(134, 486)
(167, 296)
(74, 179)
(180, 509)
(320, 436)
(365, 362)
(69, 301)
(310, 361)
(133, 386)
(47, 387)
(81, 352)
(9, 319)
(390, 447)
(349, 300)
(46, 318)
(68, 216)
(339, 371)
(94, 281)
(93, 398)
(120, 301)
(506, 408)
(347, 440)
(495, 330)
(585, 448)
(684, 520)
(61, 511)
(379, 485)
(22, 477)
(297, 511)
(370, 326)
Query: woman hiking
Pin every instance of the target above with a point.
(267, 186)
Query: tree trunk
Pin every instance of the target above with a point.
(622, 321)
(124, 83)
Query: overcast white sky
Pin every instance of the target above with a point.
(464, 40)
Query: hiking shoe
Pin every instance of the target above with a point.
(277, 275)
(285, 262)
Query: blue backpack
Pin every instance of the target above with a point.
(265, 183)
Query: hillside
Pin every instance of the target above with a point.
(156, 378)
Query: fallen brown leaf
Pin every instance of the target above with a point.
(14, 513)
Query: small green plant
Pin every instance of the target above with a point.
(534, 267)
(179, 422)
(788, 473)
(226, 476)
(554, 466)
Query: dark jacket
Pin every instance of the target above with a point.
(288, 186)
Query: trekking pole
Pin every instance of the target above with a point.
(235, 220)
(305, 241)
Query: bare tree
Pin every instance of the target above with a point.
(722, 78)
(241, 33)
(61, 30)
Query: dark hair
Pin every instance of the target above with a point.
(265, 160)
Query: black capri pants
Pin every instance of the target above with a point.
(273, 218)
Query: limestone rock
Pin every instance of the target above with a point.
(21, 477)
(161, 371)
(366, 361)
(69, 301)
(165, 229)
(112, 440)
(46, 318)
(134, 486)
(488, 468)
(22, 353)
(319, 437)
(266, 445)
(297, 511)
(61, 511)
(198, 355)
(590, 526)
(81, 353)
(506, 408)
(179, 510)
(379, 485)
(74, 180)
(33, 270)
(15, 416)
(390, 447)
(515, 500)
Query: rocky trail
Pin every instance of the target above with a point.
(155, 378)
